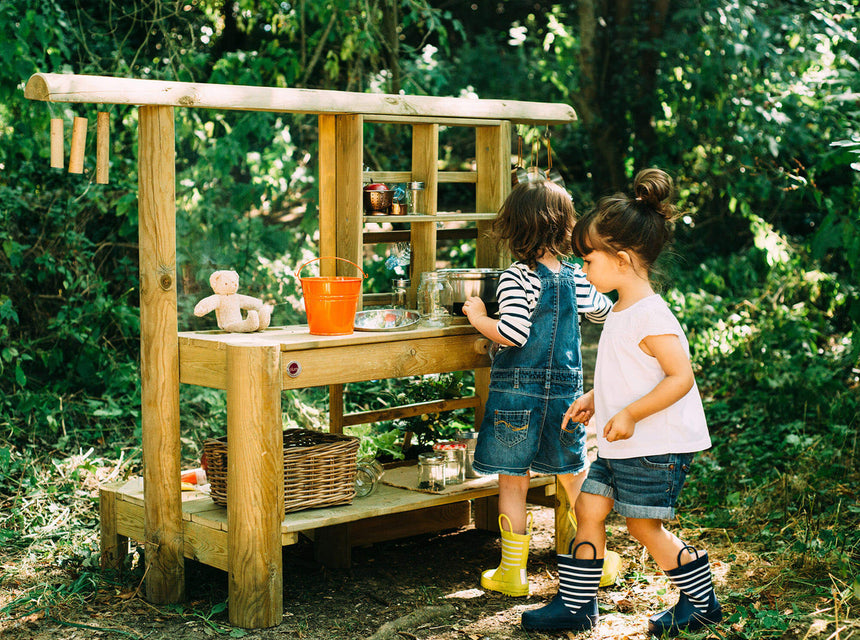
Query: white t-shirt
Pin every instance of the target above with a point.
(624, 373)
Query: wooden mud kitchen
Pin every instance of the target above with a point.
(247, 537)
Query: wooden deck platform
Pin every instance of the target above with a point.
(336, 530)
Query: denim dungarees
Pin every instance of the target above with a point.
(532, 386)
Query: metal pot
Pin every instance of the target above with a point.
(474, 282)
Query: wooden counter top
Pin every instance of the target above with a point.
(310, 361)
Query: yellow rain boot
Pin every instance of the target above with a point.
(611, 560)
(510, 576)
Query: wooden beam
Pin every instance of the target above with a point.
(159, 356)
(409, 410)
(255, 487)
(60, 87)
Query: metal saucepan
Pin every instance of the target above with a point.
(474, 282)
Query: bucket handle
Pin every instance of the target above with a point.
(330, 258)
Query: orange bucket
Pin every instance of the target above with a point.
(330, 302)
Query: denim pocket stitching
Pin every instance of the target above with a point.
(511, 427)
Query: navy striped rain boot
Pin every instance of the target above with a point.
(697, 605)
(574, 607)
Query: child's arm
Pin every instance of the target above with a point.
(476, 311)
(675, 363)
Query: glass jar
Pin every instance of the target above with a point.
(400, 292)
(435, 299)
(469, 439)
(413, 197)
(454, 454)
(368, 473)
(431, 471)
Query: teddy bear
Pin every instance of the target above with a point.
(228, 305)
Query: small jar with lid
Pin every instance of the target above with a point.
(455, 461)
(431, 471)
(400, 293)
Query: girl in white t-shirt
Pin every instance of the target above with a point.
(647, 412)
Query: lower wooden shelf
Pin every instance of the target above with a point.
(387, 514)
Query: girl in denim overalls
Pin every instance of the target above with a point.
(537, 369)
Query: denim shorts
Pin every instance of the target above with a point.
(522, 430)
(646, 487)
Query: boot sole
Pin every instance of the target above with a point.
(504, 588)
(700, 622)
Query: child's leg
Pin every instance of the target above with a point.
(591, 513)
(510, 576)
(664, 546)
(574, 608)
(512, 500)
(690, 570)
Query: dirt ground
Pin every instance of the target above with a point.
(425, 587)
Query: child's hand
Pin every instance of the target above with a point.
(581, 410)
(619, 427)
(474, 307)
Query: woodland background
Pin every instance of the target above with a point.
(752, 106)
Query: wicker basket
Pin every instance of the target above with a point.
(319, 469)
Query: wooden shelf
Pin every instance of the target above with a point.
(205, 524)
(439, 217)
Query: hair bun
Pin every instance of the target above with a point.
(654, 187)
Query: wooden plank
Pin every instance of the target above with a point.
(375, 237)
(79, 141)
(350, 206)
(394, 526)
(408, 411)
(255, 486)
(321, 367)
(102, 147)
(206, 545)
(335, 408)
(57, 144)
(56, 87)
(425, 154)
(328, 188)
(493, 162)
(441, 216)
(159, 356)
(444, 121)
(460, 177)
(114, 547)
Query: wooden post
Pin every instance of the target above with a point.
(350, 209)
(102, 147)
(335, 408)
(492, 152)
(425, 155)
(159, 357)
(114, 547)
(255, 486)
(328, 189)
(57, 143)
(79, 142)
(564, 529)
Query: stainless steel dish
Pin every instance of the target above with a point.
(474, 282)
(385, 319)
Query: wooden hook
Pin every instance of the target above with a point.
(102, 146)
(79, 140)
(57, 160)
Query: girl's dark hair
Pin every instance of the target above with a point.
(641, 223)
(536, 217)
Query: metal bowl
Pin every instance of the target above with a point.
(385, 319)
(474, 282)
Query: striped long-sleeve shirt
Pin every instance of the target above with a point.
(518, 294)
